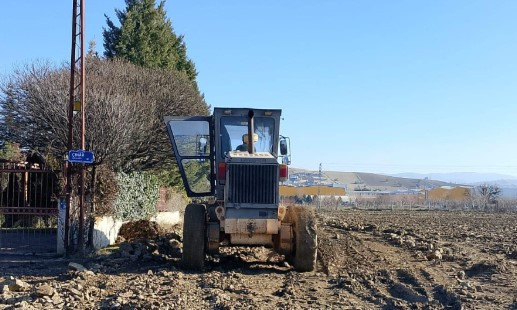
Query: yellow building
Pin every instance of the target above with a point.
(291, 191)
(458, 194)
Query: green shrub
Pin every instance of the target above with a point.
(137, 196)
(38, 222)
(51, 222)
(11, 151)
(2, 219)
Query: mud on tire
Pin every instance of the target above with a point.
(194, 232)
(305, 250)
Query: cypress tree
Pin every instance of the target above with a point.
(145, 37)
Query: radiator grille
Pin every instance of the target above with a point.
(253, 183)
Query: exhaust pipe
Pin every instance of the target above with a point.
(251, 127)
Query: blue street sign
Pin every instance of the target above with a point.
(62, 203)
(80, 156)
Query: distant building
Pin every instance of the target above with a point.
(457, 194)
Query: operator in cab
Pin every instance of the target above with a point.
(244, 146)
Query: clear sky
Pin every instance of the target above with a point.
(376, 86)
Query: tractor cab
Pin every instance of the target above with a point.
(203, 145)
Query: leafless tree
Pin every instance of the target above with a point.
(125, 106)
(506, 205)
(488, 194)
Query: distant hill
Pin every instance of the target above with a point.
(371, 181)
(462, 177)
(508, 183)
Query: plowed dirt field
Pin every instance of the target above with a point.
(367, 260)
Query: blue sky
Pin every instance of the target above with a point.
(376, 86)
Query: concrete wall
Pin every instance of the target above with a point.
(106, 228)
(105, 231)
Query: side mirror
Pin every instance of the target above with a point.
(285, 150)
(202, 146)
(283, 147)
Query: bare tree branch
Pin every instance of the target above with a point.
(125, 106)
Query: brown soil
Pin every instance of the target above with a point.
(142, 229)
(367, 260)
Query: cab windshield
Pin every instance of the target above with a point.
(233, 128)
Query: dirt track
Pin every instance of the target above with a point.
(375, 260)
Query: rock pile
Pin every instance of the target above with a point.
(165, 248)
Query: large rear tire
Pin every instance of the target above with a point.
(194, 234)
(305, 238)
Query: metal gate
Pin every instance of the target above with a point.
(28, 209)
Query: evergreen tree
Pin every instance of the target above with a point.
(146, 37)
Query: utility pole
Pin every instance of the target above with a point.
(319, 185)
(76, 103)
(83, 127)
